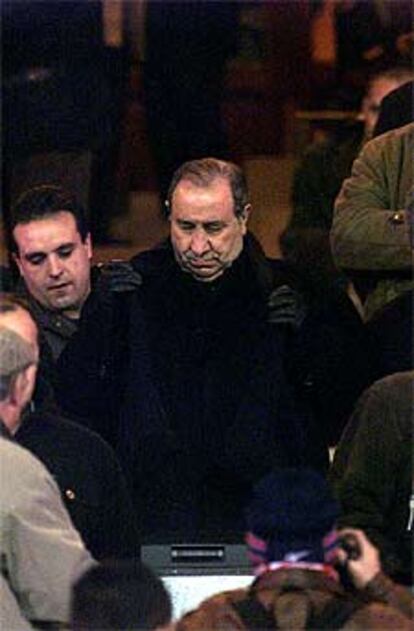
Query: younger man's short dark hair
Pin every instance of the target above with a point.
(43, 201)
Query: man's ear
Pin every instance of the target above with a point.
(23, 386)
(16, 259)
(244, 217)
(17, 389)
(88, 245)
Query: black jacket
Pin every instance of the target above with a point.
(194, 374)
(90, 480)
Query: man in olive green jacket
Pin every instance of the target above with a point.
(372, 471)
(370, 236)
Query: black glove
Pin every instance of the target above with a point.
(286, 306)
(118, 277)
(109, 280)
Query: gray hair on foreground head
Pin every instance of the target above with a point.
(15, 356)
(203, 172)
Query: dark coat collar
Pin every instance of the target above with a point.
(159, 263)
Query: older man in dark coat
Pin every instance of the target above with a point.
(192, 364)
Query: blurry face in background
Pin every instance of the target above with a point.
(54, 262)
(206, 235)
(378, 89)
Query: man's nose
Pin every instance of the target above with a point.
(55, 266)
(199, 242)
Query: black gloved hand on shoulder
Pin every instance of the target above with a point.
(117, 276)
(109, 280)
(286, 306)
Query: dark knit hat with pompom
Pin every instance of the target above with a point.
(291, 512)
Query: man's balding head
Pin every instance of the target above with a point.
(16, 354)
(16, 317)
(19, 356)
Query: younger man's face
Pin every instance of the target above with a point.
(54, 262)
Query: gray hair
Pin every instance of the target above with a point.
(203, 172)
(15, 356)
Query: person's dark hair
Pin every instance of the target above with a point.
(43, 201)
(203, 172)
(394, 73)
(120, 595)
(396, 109)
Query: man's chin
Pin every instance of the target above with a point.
(65, 304)
(204, 274)
(65, 301)
(208, 279)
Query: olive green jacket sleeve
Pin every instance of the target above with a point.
(370, 230)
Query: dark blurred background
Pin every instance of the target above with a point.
(112, 96)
